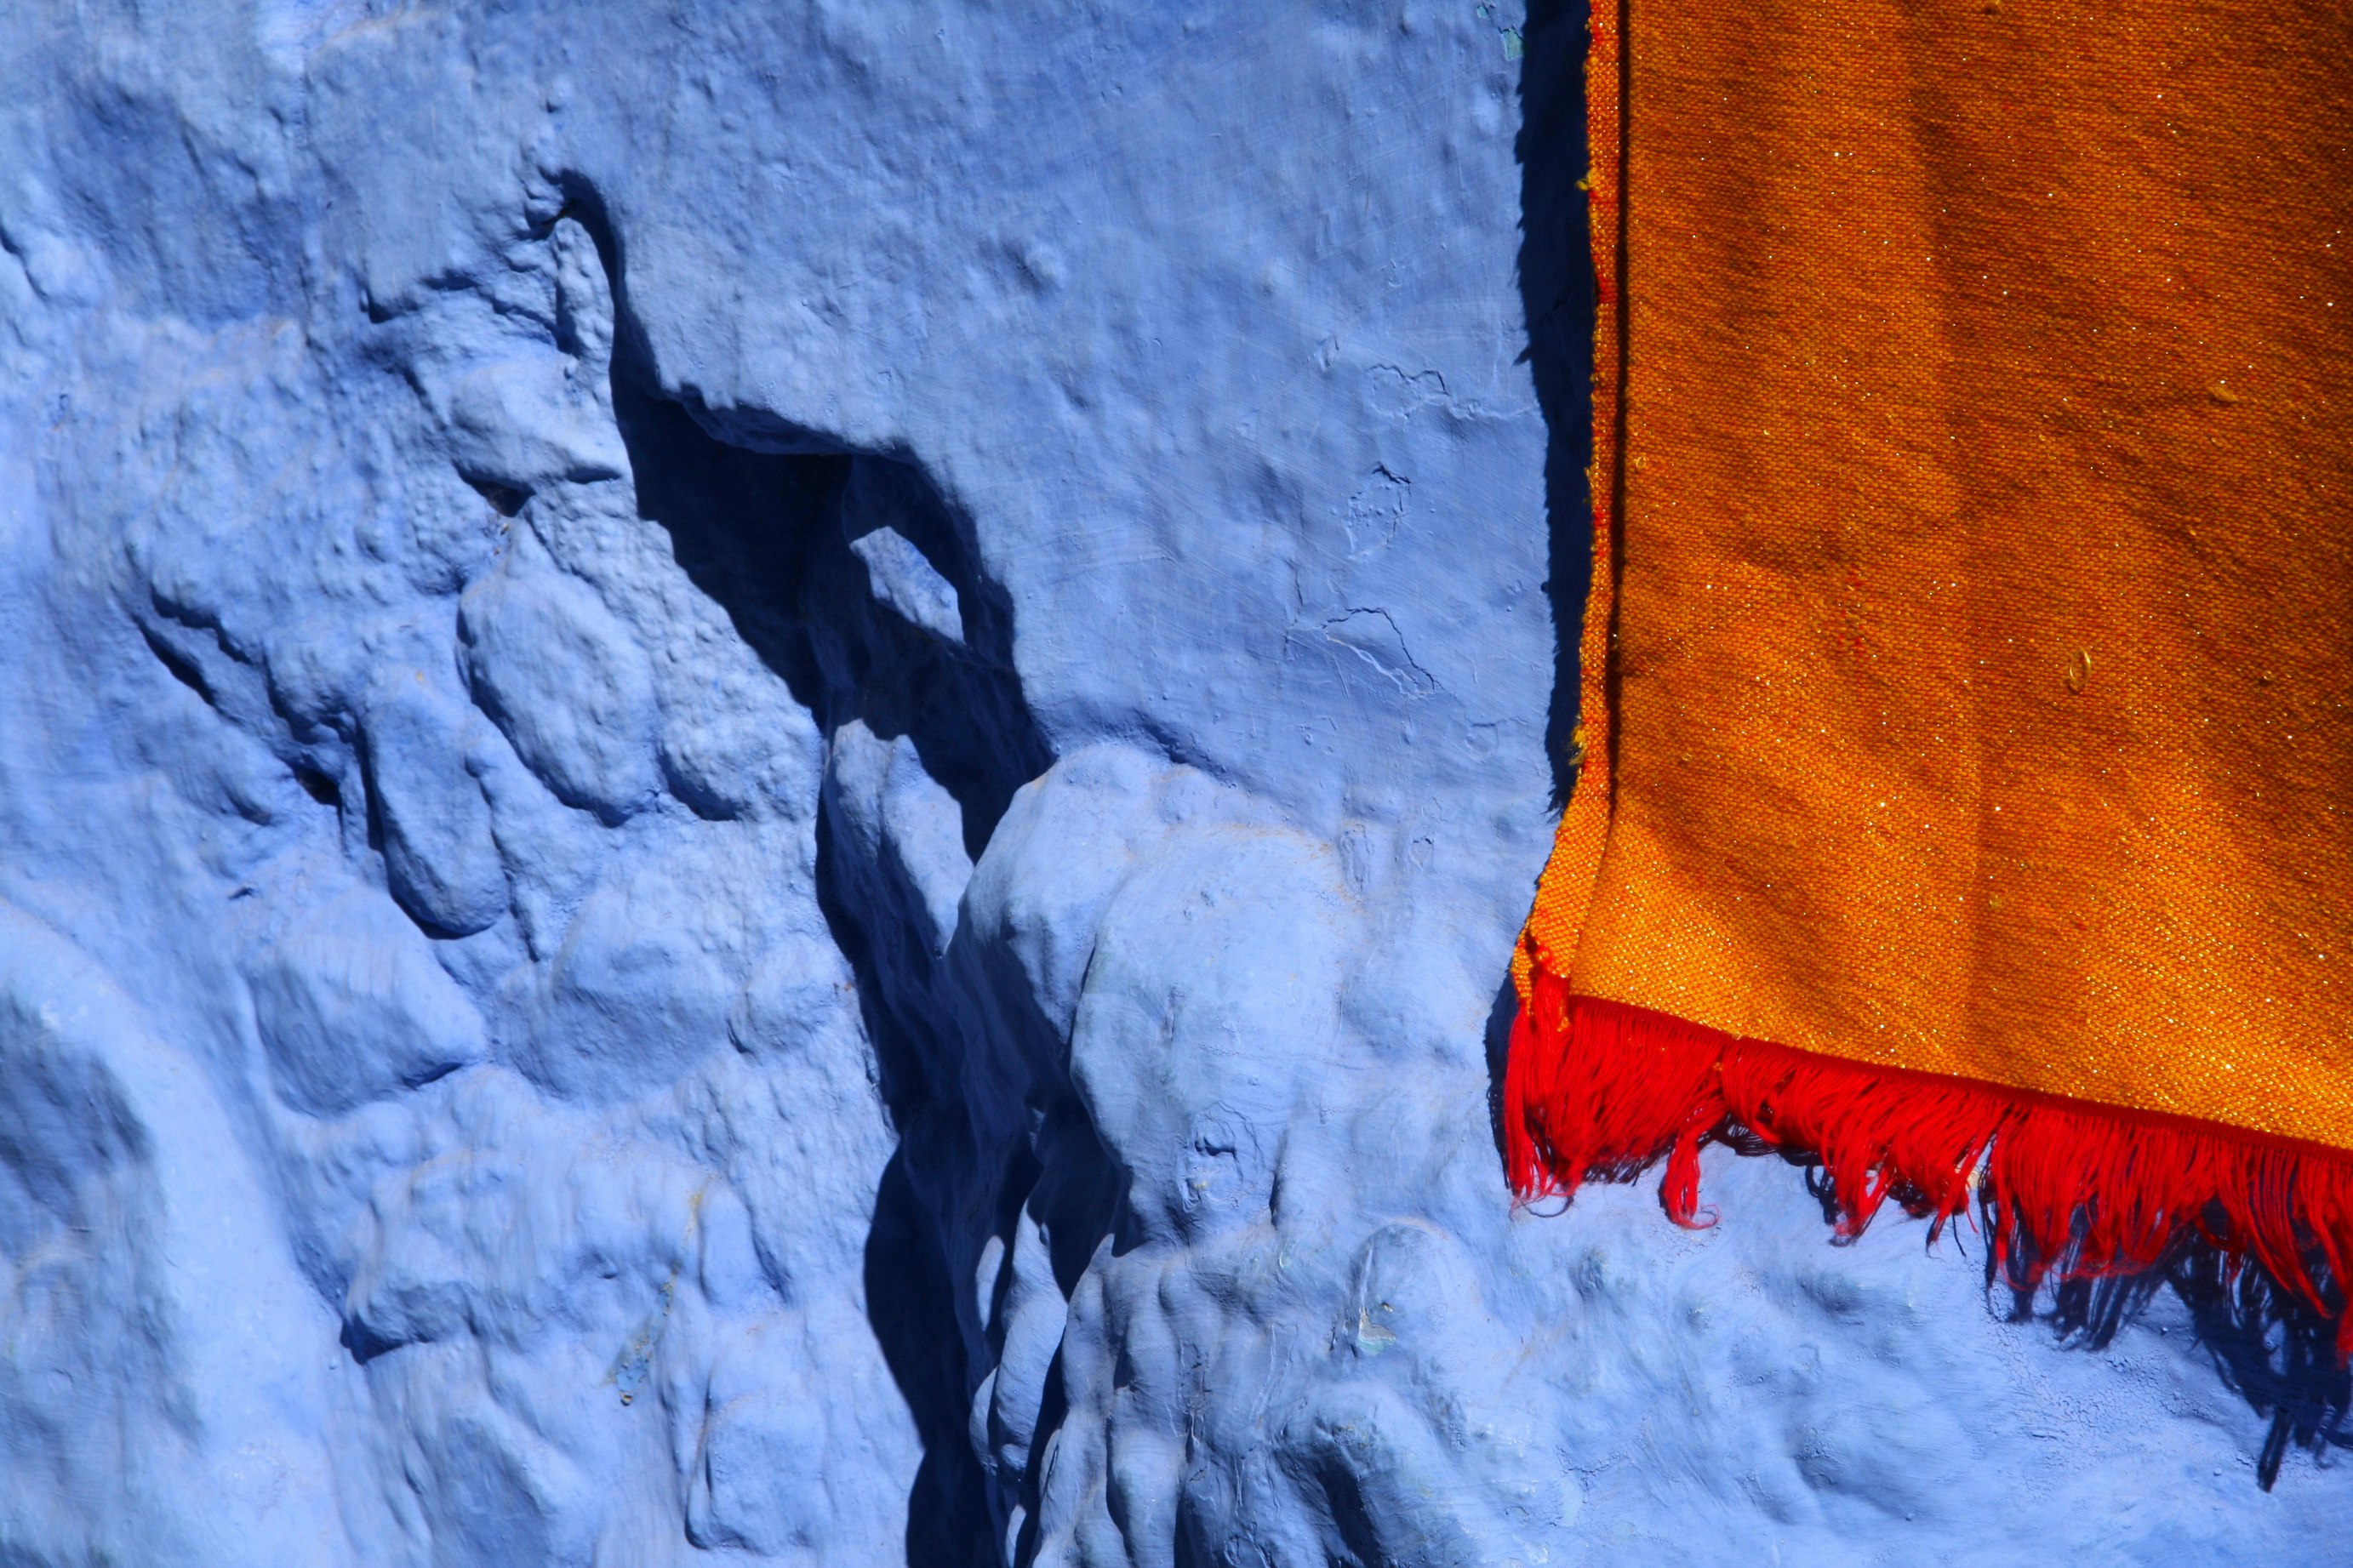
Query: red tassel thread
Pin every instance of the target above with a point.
(1600, 1090)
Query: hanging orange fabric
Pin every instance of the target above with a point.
(1967, 790)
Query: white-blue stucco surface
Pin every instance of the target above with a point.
(764, 770)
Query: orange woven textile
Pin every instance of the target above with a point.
(1966, 678)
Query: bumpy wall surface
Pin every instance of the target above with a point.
(764, 772)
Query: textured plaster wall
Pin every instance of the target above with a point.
(764, 771)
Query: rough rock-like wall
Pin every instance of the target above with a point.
(763, 770)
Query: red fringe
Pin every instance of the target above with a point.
(2066, 1189)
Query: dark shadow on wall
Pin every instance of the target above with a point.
(2267, 1344)
(766, 523)
(769, 537)
(1557, 298)
(1557, 294)
(2273, 1349)
(1502, 1014)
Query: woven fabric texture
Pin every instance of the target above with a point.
(1967, 676)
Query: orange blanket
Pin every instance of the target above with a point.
(1967, 790)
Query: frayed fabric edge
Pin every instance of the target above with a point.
(2065, 1189)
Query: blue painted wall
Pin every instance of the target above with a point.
(764, 771)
